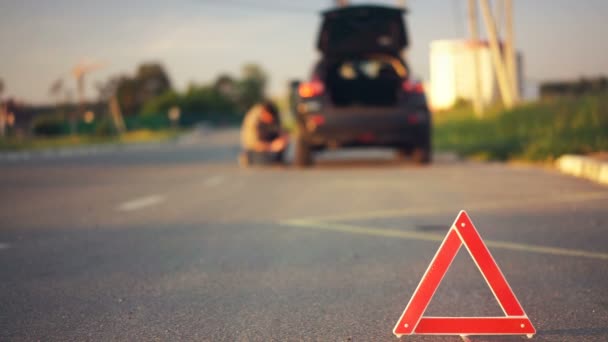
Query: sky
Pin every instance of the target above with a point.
(195, 40)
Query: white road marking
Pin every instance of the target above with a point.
(140, 203)
(412, 235)
(214, 181)
(4, 245)
(515, 203)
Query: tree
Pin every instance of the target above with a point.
(227, 86)
(218, 101)
(127, 93)
(152, 81)
(207, 101)
(107, 89)
(56, 88)
(252, 86)
(162, 103)
(2, 114)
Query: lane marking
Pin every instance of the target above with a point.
(140, 203)
(514, 203)
(4, 246)
(420, 236)
(214, 181)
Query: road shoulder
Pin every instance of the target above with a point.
(593, 167)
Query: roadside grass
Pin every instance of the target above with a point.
(540, 131)
(40, 143)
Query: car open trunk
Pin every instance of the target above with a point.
(365, 81)
(361, 48)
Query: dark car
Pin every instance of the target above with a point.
(361, 92)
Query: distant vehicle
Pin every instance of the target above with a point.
(361, 92)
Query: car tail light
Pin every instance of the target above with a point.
(311, 89)
(413, 87)
(314, 121)
(317, 119)
(367, 137)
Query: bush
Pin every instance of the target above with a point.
(104, 128)
(162, 103)
(539, 131)
(198, 104)
(50, 125)
(152, 121)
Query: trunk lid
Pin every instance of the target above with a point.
(354, 30)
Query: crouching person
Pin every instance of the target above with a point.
(262, 138)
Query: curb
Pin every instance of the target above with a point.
(584, 167)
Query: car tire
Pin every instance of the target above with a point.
(423, 154)
(403, 153)
(303, 154)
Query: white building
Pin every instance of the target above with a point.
(452, 74)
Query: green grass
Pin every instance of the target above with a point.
(39, 143)
(535, 132)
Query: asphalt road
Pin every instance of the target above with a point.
(175, 242)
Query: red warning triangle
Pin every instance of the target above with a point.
(515, 321)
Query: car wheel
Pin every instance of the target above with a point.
(403, 153)
(423, 154)
(303, 155)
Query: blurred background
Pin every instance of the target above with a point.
(124, 214)
(105, 69)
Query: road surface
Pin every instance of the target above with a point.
(175, 242)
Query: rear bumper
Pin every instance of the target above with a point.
(368, 127)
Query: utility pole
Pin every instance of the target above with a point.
(497, 59)
(510, 51)
(474, 42)
(116, 113)
(499, 16)
(3, 113)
